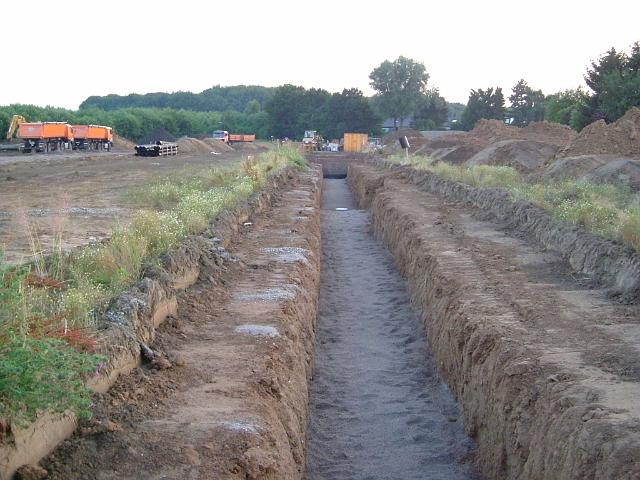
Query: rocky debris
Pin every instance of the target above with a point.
(621, 137)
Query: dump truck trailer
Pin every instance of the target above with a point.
(234, 137)
(92, 137)
(45, 136)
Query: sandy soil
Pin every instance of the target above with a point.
(234, 405)
(545, 366)
(82, 194)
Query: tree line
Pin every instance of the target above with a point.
(614, 84)
(237, 98)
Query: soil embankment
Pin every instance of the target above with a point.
(544, 366)
(231, 401)
(379, 409)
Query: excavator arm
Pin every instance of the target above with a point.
(16, 120)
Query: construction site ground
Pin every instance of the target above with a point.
(541, 362)
(83, 195)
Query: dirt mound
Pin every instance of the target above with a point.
(621, 171)
(526, 156)
(621, 137)
(574, 167)
(121, 143)
(392, 137)
(249, 147)
(217, 146)
(417, 141)
(157, 134)
(194, 146)
(456, 155)
(548, 132)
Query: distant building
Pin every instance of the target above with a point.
(388, 124)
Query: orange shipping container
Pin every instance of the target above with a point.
(45, 131)
(355, 142)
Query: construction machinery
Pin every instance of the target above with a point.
(45, 136)
(16, 121)
(92, 137)
(312, 142)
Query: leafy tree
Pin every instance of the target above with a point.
(569, 107)
(253, 106)
(487, 104)
(348, 111)
(614, 81)
(284, 111)
(399, 85)
(431, 112)
(527, 104)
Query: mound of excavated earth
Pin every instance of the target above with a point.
(190, 145)
(526, 156)
(621, 171)
(574, 167)
(621, 137)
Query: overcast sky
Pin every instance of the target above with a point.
(59, 53)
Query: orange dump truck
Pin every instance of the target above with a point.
(233, 137)
(45, 136)
(92, 137)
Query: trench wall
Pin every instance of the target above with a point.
(530, 420)
(133, 317)
(610, 264)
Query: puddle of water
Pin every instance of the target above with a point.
(379, 409)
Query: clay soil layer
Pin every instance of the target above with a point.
(231, 403)
(545, 367)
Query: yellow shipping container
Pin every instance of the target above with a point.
(355, 142)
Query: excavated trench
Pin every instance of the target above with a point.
(379, 408)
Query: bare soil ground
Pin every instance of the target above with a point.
(82, 193)
(233, 405)
(546, 367)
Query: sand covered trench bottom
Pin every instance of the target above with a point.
(544, 365)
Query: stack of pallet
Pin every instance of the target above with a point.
(158, 149)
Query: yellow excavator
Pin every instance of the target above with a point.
(16, 120)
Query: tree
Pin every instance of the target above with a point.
(527, 104)
(615, 83)
(399, 86)
(284, 111)
(569, 107)
(348, 111)
(487, 104)
(253, 106)
(431, 112)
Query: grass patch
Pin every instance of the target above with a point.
(607, 210)
(48, 307)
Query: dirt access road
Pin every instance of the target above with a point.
(82, 194)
